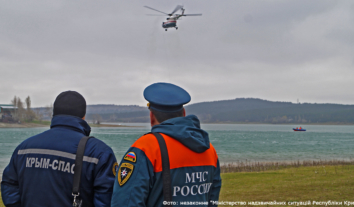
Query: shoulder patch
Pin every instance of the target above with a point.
(130, 156)
(124, 173)
(115, 168)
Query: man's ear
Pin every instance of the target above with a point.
(153, 120)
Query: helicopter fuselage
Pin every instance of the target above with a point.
(171, 22)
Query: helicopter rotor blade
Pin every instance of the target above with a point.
(156, 10)
(192, 14)
(155, 15)
(178, 7)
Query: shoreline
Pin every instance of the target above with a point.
(22, 125)
(47, 124)
(254, 166)
(249, 161)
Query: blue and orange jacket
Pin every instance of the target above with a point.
(194, 167)
(41, 168)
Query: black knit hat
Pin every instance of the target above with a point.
(70, 103)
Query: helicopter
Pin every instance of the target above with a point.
(172, 17)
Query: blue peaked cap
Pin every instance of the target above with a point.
(166, 97)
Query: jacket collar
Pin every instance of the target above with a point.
(73, 122)
(187, 131)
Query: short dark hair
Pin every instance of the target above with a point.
(163, 116)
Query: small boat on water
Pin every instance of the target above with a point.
(299, 129)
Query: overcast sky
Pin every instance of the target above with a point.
(109, 51)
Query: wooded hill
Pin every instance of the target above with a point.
(240, 110)
(262, 111)
(117, 113)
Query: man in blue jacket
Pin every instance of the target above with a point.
(193, 162)
(41, 168)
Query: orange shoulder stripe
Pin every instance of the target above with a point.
(179, 155)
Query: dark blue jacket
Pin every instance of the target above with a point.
(194, 167)
(41, 168)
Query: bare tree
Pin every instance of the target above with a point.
(14, 103)
(20, 113)
(28, 103)
(30, 115)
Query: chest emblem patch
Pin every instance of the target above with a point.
(124, 173)
(130, 156)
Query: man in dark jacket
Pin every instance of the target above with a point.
(194, 165)
(41, 168)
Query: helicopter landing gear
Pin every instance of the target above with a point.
(165, 29)
(176, 28)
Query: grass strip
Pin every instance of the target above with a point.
(248, 166)
(315, 183)
(1, 203)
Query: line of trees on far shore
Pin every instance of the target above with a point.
(24, 113)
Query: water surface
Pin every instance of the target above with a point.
(233, 142)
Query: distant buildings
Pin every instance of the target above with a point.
(6, 111)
